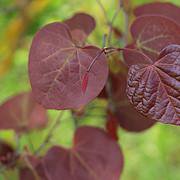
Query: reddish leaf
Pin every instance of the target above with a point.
(94, 156)
(127, 116)
(80, 25)
(158, 8)
(154, 89)
(22, 113)
(7, 154)
(112, 126)
(133, 56)
(153, 33)
(57, 67)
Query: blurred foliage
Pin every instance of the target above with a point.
(153, 154)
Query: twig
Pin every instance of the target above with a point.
(111, 26)
(126, 19)
(50, 133)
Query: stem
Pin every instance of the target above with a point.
(111, 25)
(126, 19)
(106, 50)
(74, 119)
(103, 10)
(94, 60)
(29, 165)
(49, 135)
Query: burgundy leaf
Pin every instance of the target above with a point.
(94, 156)
(7, 154)
(80, 25)
(153, 33)
(169, 49)
(128, 117)
(158, 8)
(154, 89)
(112, 126)
(22, 113)
(57, 67)
(31, 169)
(133, 56)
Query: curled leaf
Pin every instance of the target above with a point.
(154, 89)
(128, 117)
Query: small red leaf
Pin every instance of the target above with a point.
(154, 89)
(85, 82)
(22, 113)
(158, 8)
(153, 33)
(7, 154)
(112, 126)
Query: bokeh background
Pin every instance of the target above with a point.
(150, 155)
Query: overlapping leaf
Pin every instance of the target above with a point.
(158, 8)
(152, 33)
(57, 67)
(80, 25)
(154, 89)
(134, 56)
(127, 116)
(22, 113)
(94, 156)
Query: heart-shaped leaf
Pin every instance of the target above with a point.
(158, 8)
(94, 156)
(80, 25)
(57, 67)
(22, 113)
(153, 33)
(154, 89)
